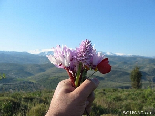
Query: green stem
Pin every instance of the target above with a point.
(91, 74)
(84, 75)
(78, 74)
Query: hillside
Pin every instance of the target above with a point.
(32, 72)
(21, 58)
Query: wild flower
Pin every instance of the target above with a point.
(78, 61)
(85, 52)
(62, 57)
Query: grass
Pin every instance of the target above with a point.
(108, 102)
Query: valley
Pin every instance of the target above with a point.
(29, 72)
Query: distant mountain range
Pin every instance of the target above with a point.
(41, 51)
(25, 71)
(44, 52)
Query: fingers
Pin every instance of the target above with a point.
(65, 82)
(90, 98)
(65, 86)
(86, 88)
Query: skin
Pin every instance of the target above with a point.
(68, 101)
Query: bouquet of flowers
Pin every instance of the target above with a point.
(78, 61)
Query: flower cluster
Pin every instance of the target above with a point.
(78, 61)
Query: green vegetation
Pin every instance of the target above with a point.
(28, 72)
(115, 101)
(21, 58)
(25, 103)
(31, 80)
(2, 76)
(135, 77)
(108, 101)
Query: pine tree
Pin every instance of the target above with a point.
(136, 77)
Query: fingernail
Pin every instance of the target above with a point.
(95, 80)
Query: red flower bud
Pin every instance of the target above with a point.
(103, 66)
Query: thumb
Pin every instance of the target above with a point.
(86, 87)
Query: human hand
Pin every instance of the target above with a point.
(68, 101)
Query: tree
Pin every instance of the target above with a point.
(136, 77)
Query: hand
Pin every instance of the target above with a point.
(68, 101)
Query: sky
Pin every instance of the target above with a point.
(117, 26)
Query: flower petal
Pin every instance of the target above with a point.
(103, 66)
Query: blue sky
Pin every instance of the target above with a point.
(118, 26)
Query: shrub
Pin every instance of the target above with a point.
(38, 110)
(148, 92)
(97, 110)
(9, 106)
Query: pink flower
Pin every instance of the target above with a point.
(84, 52)
(62, 57)
(96, 59)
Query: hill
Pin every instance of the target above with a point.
(21, 58)
(32, 72)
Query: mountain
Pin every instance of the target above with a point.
(25, 71)
(50, 51)
(41, 52)
(21, 58)
(44, 52)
